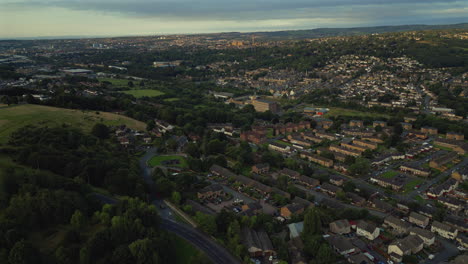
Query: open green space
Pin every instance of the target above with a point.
(185, 251)
(143, 93)
(442, 148)
(157, 161)
(389, 174)
(281, 142)
(171, 99)
(15, 117)
(337, 111)
(409, 186)
(419, 199)
(269, 133)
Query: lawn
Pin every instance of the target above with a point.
(186, 251)
(15, 117)
(171, 99)
(411, 184)
(389, 174)
(157, 160)
(442, 148)
(419, 199)
(269, 133)
(143, 93)
(337, 111)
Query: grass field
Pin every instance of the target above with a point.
(157, 160)
(411, 184)
(171, 99)
(389, 174)
(143, 93)
(185, 251)
(336, 111)
(15, 117)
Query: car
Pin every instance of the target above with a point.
(162, 206)
(461, 248)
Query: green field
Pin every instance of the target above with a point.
(411, 184)
(336, 111)
(389, 174)
(15, 117)
(186, 252)
(171, 99)
(143, 92)
(156, 160)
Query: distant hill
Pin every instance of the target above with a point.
(334, 32)
(17, 116)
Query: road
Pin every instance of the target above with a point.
(213, 250)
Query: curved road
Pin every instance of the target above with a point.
(213, 250)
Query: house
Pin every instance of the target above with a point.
(398, 225)
(258, 243)
(345, 151)
(210, 191)
(382, 124)
(337, 180)
(359, 259)
(460, 174)
(222, 172)
(367, 230)
(366, 144)
(418, 219)
(381, 205)
(317, 159)
(308, 181)
(440, 162)
(355, 199)
(290, 209)
(356, 123)
(455, 136)
(254, 207)
(446, 187)
(452, 203)
(455, 145)
(396, 183)
(341, 245)
(429, 130)
(340, 227)
(407, 126)
(460, 259)
(463, 240)
(444, 230)
(283, 148)
(456, 222)
(330, 189)
(409, 245)
(415, 170)
(262, 168)
(289, 173)
(427, 236)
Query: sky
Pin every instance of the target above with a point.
(51, 18)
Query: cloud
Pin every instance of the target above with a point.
(130, 17)
(245, 9)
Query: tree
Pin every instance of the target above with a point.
(150, 125)
(100, 131)
(142, 250)
(130, 84)
(176, 197)
(77, 219)
(360, 167)
(206, 222)
(312, 222)
(349, 186)
(325, 254)
(22, 253)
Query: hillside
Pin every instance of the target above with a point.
(14, 117)
(334, 32)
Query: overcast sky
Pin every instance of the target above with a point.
(35, 18)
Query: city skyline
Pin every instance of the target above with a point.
(22, 19)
